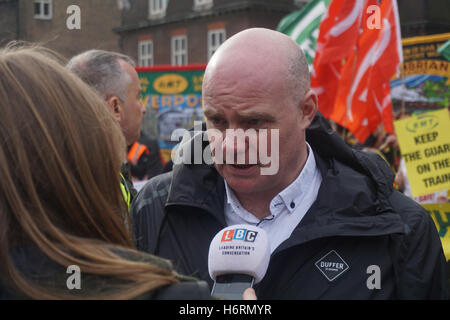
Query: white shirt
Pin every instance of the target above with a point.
(287, 208)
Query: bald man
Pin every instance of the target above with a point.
(336, 227)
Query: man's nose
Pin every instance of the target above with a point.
(233, 142)
(234, 147)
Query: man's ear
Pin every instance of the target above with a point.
(309, 107)
(116, 107)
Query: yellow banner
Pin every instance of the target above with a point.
(440, 212)
(424, 82)
(425, 39)
(430, 67)
(424, 141)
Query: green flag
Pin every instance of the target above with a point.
(303, 26)
(445, 50)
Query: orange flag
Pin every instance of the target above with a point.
(339, 29)
(388, 63)
(362, 97)
(353, 104)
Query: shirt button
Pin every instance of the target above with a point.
(292, 205)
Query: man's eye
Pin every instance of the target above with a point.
(254, 122)
(216, 121)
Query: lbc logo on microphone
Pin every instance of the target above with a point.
(239, 234)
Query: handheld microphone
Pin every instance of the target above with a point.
(238, 258)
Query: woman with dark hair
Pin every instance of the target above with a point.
(60, 198)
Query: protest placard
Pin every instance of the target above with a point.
(440, 212)
(424, 141)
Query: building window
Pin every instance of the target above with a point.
(145, 53)
(203, 4)
(179, 51)
(215, 39)
(157, 8)
(43, 9)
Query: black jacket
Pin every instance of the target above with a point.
(358, 222)
(39, 269)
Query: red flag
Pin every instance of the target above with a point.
(337, 35)
(354, 104)
(362, 97)
(388, 63)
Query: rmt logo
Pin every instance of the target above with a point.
(239, 234)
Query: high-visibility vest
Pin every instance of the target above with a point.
(135, 153)
(125, 191)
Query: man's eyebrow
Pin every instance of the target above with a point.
(257, 115)
(242, 115)
(211, 113)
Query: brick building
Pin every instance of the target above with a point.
(177, 32)
(157, 32)
(424, 17)
(45, 22)
(8, 21)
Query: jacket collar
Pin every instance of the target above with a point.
(347, 205)
(198, 186)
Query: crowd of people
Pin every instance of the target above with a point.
(70, 135)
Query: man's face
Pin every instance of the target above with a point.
(231, 105)
(132, 108)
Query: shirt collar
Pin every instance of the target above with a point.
(292, 195)
(235, 204)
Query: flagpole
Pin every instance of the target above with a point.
(403, 107)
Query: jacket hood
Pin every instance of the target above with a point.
(352, 200)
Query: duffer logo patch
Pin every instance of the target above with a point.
(332, 265)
